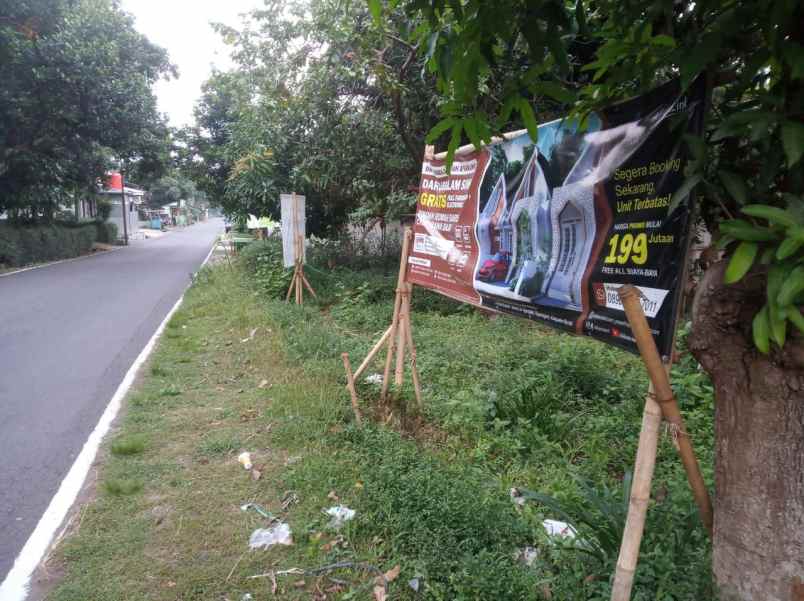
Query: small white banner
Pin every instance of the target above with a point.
(651, 298)
(419, 261)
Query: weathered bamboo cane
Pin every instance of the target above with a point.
(292, 284)
(389, 355)
(629, 296)
(308, 286)
(400, 286)
(413, 369)
(640, 497)
(401, 339)
(350, 384)
(372, 353)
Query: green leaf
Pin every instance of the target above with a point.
(439, 128)
(697, 147)
(698, 57)
(557, 49)
(788, 247)
(795, 317)
(470, 125)
(776, 316)
(526, 111)
(683, 191)
(735, 186)
(553, 90)
(771, 214)
(793, 141)
(663, 40)
(741, 261)
(454, 142)
(792, 287)
(761, 330)
(375, 8)
(580, 18)
(740, 229)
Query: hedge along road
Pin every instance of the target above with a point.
(68, 334)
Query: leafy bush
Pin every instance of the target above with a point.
(262, 261)
(26, 244)
(106, 232)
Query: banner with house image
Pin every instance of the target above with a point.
(549, 230)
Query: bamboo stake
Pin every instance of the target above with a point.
(413, 369)
(389, 356)
(629, 296)
(638, 503)
(404, 311)
(290, 288)
(299, 268)
(400, 286)
(308, 286)
(372, 353)
(350, 384)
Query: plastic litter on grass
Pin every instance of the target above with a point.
(278, 534)
(245, 460)
(340, 514)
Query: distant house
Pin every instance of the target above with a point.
(134, 198)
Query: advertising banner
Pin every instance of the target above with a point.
(293, 224)
(549, 230)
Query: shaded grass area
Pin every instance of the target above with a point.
(508, 404)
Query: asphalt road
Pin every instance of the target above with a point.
(68, 334)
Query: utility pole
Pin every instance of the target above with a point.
(123, 204)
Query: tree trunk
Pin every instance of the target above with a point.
(758, 545)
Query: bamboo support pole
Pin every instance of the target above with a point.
(292, 284)
(299, 268)
(640, 497)
(629, 296)
(413, 369)
(389, 356)
(308, 286)
(398, 301)
(401, 339)
(350, 384)
(372, 353)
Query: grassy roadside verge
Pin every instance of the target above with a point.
(237, 372)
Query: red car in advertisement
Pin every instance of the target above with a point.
(495, 268)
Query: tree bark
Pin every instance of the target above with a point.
(758, 544)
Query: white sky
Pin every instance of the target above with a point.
(183, 28)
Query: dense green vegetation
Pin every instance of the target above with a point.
(513, 405)
(28, 244)
(76, 99)
(507, 405)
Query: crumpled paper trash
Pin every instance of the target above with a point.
(245, 460)
(278, 534)
(374, 379)
(558, 528)
(340, 514)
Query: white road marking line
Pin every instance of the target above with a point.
(16, 584)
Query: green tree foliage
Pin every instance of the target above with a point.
(76, 91)
(173, 188)
(321, 102)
